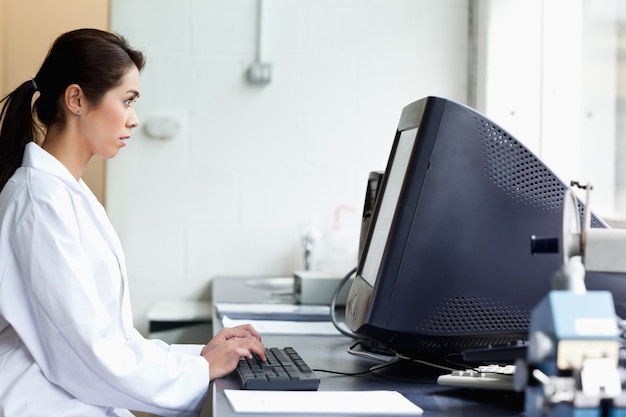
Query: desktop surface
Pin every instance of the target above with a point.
(331, 353)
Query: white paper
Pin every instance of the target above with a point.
(322, 402)
(268, 311)
(285, 327)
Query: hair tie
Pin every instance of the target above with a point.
(34, 84)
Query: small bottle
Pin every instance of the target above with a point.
(341, 243)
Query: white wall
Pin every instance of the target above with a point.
(253, 167)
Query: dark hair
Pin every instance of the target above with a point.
(94, 59)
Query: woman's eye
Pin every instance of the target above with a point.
(130, 101)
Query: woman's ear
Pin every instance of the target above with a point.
(74, 98)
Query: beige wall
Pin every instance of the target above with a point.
(27, 29)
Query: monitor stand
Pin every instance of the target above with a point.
(413, 370)
(496, 354)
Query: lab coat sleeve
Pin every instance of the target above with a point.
(79, 342)
(189, 349)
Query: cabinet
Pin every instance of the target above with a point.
(28, 29)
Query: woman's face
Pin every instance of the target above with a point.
(106, 126)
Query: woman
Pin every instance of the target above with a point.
(67, 342)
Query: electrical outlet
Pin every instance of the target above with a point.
(259, 73)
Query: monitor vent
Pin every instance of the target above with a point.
(517, 171)
(438, 345)
(474, 314)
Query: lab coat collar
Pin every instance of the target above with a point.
(36, 157)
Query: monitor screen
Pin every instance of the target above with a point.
(446, 262)
(386, 210)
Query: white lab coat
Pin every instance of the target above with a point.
(67, 342)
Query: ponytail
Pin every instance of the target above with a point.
(17, 128)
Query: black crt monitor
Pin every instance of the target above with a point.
(446, 263)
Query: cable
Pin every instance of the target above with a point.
(368, 371)
(381, 357)
(333, 303)
(427, 363)
(396, 359)
(376, 347)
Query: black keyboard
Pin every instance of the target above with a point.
(284, 370)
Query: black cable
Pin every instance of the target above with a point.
(396, 358)
(333, 303)
(368, 371)
(378, 355)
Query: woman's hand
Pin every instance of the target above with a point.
(244, 330)
(230, 344)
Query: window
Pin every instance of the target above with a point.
(549, 72)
